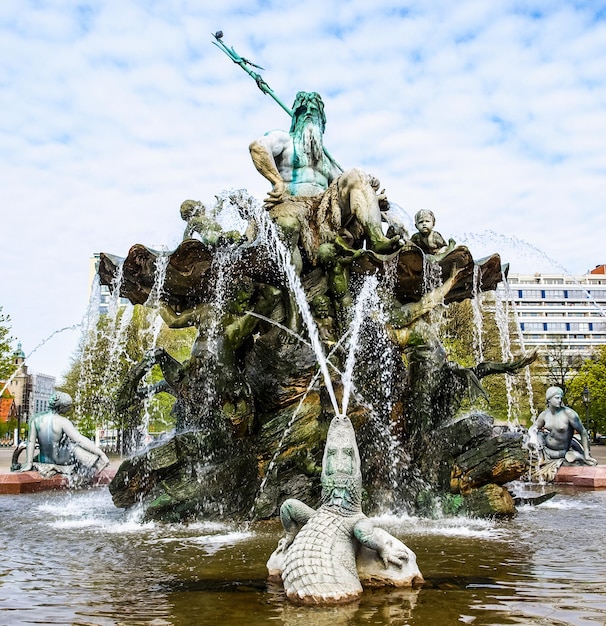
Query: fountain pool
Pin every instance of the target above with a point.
(74, 559)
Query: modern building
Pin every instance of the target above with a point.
(560, 310)
(42, 387)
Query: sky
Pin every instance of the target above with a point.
(491, 114)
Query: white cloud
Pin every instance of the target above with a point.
(491, 114)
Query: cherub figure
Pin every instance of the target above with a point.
(209, 230)
(429, 240)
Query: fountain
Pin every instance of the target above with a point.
(301, 334)
(266, 373)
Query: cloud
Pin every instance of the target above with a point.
(490, 114)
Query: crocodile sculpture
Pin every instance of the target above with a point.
(327, 554)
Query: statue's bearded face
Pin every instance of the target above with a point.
(341, 477)
(308, 125)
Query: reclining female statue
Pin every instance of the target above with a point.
(62, 448)
(552, 433)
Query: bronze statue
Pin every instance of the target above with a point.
(316, 559)
(251, 363)
(552, 433)
(62, 449)
(311, 200)
(428, 239)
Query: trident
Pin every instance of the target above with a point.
(261, 84)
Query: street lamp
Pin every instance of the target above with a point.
(586, 400)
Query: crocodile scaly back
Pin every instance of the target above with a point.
(320, 564)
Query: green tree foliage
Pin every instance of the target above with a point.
(7, 366)
(592, 375)
(102, 361)
(464, 331)
(562, 367)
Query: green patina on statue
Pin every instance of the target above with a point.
(61, 448)
(246, 399)
(552, 437)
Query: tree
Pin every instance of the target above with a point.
(471, 336)
(591, 376)
(562, 367)
(109, 350)
(7, 367)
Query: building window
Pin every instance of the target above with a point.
(579, 326)
(554, 293)
(532, 326)
(530, 293)
(556, 326)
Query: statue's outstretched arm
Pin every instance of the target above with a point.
(487, 368)
(189, 317)
(159, 387)
(381, 542)
(84, 442)
(576, 423)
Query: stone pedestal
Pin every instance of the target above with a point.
(32, 482)
(593, 477)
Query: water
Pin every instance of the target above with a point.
(283, 258)
(20, 369)
(72, 558)
(366, 298)
(477, 314)
(150, 337)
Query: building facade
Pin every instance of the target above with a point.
(42, 388)
(30, 392)
(560, 310)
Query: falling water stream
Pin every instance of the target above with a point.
(366, 295)
(283, 257)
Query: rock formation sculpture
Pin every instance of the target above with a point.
(260, 427)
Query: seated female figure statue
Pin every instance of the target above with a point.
(552, 433)
(62, 448)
